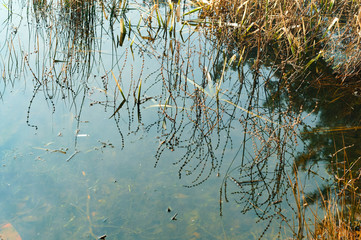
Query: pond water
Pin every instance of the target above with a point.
(123, 119)
(68, 170)
(49, 193)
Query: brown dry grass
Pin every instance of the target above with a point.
(297, 32)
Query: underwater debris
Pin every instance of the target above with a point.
(71, 156)
(174, 218)
(103, 236)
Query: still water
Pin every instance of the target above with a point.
(151, 137)
(103, 189)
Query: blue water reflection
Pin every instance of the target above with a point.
(102, 189)
(69, 170)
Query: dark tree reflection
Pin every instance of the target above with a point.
(331, 141)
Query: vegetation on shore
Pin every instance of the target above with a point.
(296, 33)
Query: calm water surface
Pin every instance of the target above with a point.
(70, 172)
(102, 189)
(75, 167)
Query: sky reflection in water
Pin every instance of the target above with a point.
(66, 175)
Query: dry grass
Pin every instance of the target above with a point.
(340, 216)
(297, 32)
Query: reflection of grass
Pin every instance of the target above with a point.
(341, 213)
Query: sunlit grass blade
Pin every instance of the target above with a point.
(197, 86)
(178, 15)
(139, 90)
(123, 32)
(131, 47)
(333, 129)
(241, 56)
(164, 124)
(232, 59)
(172, 22)
(159, 16)
(120, 89)
(313, 60)
(193, 11)
(103, 8)
(335, 20)
(249, 112)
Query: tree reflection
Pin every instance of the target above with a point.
(334, 141)
(331, 141)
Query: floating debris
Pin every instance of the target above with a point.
(49, 143)
(71, 156)
(103, 236)
(61, 150)
(106, 144)
(82, 135)
(277, 202)
(180, 196)
(174, 218)
(38, 159)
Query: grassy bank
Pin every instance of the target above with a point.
(297, 33)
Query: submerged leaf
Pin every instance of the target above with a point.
(118, 108)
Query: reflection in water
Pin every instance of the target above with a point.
(120, 76)
(334, 142)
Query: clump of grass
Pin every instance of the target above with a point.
(298, 32)
(340, 216)
(334, 225)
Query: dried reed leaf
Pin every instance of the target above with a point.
(120, 89)
(123, 32)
